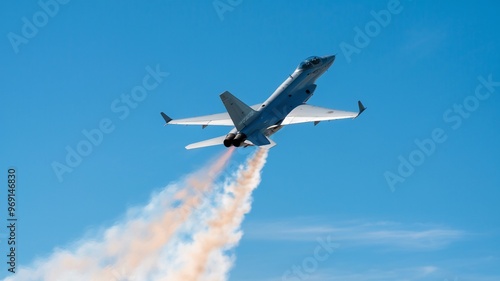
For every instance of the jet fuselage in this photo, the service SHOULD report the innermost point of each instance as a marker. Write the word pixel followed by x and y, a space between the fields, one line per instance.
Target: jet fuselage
pixel 294 91
pixel 252 125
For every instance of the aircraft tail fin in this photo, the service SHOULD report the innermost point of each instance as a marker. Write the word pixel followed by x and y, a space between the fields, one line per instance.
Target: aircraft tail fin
pixel 240 113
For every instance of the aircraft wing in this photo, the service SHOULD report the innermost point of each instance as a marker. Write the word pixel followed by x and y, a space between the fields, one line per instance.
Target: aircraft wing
pixel 219 119
pixel 310 113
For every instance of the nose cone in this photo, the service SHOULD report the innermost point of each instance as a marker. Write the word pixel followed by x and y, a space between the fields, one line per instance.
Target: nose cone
pixel 329 60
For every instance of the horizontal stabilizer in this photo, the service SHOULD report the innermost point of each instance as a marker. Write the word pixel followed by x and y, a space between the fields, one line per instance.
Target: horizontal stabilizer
pixel 268 144
pixel 259 139
pixel 205 143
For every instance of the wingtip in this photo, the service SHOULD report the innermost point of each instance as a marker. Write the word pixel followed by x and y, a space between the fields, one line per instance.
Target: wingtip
pixel 165 117
pixel 361 108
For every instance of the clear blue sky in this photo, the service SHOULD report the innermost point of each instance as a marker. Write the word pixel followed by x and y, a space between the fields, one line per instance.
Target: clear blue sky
pixel 413 71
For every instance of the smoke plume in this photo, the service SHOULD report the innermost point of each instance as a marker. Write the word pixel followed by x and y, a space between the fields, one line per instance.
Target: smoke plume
pixel 186 232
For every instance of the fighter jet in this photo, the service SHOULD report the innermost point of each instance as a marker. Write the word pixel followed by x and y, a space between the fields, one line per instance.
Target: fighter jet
pixel 253 125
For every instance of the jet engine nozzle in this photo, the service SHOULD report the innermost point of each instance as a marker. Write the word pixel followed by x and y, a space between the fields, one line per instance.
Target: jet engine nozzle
pixel 239 139
pixel 228 141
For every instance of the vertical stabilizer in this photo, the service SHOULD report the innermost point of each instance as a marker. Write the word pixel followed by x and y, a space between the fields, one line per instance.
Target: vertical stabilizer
pixel 240 113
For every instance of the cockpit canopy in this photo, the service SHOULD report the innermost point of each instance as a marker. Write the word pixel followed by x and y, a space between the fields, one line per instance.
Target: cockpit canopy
pixel 309 62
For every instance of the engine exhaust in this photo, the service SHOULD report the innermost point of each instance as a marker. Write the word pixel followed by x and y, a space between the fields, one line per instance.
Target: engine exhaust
pixel 228 141
pixel 239 139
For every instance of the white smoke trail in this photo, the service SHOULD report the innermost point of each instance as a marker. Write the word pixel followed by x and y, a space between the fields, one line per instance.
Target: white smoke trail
pixel 182 234
pixel 204 259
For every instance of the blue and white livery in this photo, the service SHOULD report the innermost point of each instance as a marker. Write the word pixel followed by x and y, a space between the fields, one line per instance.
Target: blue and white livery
pixel 253 125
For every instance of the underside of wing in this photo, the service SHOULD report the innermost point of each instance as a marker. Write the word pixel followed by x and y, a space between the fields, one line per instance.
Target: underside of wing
pixel 310 113
pixel 219 119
